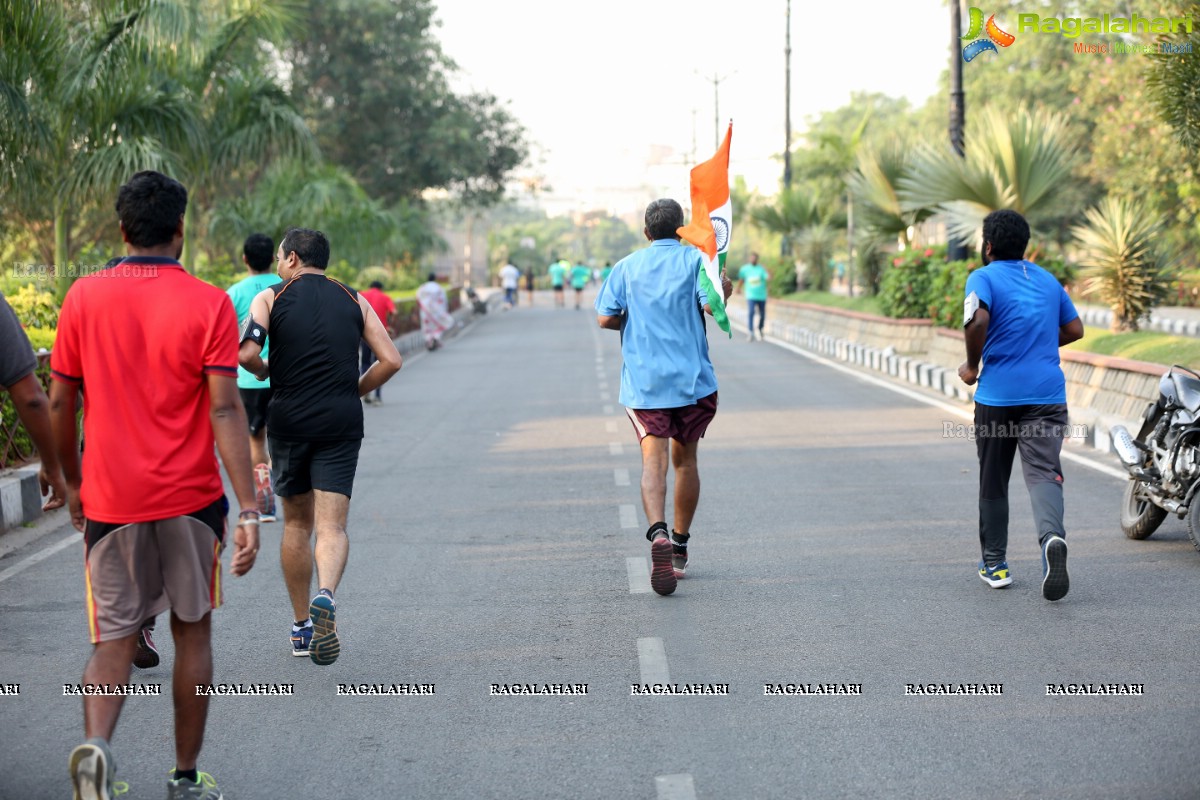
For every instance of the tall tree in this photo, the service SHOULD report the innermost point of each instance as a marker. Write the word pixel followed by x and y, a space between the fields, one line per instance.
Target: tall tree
pixel 374 82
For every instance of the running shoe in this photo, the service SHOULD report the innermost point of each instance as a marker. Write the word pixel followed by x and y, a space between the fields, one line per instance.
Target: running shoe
pixel 662 568
pixel 146 656
pixel 205 788
pixel 996 577
pixel 324 647
pixel 679 557
pixel 92 771
pixel 1055 581
pixel 263 493
pixel 301 637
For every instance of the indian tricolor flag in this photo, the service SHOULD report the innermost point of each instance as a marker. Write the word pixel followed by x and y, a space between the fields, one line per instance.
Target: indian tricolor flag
pixel 712 222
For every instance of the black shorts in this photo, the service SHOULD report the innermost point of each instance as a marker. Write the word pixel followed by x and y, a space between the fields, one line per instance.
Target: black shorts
pixel 558 288
pixel 299 467
pixel 256 402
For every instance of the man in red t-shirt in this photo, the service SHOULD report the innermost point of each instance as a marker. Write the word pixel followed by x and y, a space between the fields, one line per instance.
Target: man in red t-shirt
pixel 155 352
pixel 385 309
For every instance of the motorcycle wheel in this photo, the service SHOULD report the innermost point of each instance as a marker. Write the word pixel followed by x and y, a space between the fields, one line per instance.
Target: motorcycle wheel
pixel 1140 517
pixel 1194 522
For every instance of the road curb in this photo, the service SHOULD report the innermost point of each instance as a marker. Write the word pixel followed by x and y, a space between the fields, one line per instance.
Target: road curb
pixel 20 497
pixel 924 374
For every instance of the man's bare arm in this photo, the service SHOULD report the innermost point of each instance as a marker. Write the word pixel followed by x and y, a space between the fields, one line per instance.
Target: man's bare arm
pixel 387 357
pixel 1071 332
pixel 610 323
pixel 64 405
pixel 250 350
pixel 33 409
pixel 229 429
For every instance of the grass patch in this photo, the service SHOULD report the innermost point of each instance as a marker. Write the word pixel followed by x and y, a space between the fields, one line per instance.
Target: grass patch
pixel 1152 346
pixel 867 305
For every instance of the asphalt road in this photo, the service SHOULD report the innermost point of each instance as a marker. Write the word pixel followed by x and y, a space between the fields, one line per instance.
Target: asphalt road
pixel 497 537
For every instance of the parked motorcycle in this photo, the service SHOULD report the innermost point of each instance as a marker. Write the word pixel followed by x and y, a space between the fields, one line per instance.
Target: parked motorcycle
pixel 1163 460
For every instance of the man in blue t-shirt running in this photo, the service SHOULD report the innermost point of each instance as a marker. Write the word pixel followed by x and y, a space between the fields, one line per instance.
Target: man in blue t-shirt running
pixel 668 386
pixel 1016 315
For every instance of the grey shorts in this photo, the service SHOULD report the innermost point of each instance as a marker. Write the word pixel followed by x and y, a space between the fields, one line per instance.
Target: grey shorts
pixel 135 571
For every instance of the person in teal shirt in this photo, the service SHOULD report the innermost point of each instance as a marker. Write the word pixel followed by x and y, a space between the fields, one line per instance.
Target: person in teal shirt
pixel 604 273
pixel 258 253
pixel 580 275
pixel 558 271
pixel 753 283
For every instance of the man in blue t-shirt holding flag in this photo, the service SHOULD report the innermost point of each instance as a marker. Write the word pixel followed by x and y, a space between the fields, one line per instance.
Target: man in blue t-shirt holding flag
pixel 668 385
pixel 1016 315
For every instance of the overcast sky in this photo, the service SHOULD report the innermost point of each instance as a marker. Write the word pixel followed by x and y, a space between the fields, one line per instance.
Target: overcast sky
pixel 607 89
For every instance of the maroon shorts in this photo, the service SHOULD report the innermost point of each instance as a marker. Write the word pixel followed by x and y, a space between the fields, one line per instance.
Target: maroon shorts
pixel 685 425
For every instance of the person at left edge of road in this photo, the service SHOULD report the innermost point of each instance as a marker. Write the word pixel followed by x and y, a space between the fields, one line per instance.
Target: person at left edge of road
pixel 1015 316
pixel 18 375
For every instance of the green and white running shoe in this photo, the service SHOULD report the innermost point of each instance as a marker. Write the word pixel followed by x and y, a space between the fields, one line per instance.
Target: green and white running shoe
pixel 92 771
pixel 205 788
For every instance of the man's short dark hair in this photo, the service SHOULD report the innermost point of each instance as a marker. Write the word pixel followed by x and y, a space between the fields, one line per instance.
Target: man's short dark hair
pixel 1009 234
pixel 150 206
pixel 432 277
pixel 376 285
pixel 663 218
pixel 259 251
pixel 311 247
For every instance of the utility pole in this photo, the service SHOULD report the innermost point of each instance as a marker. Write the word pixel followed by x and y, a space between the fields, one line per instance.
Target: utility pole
pixel 956 250
pixel 717 80
pixel 787 100
pixel 785 245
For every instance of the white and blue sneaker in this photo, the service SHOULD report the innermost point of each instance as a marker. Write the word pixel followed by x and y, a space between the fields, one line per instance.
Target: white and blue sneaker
pixel 1055 581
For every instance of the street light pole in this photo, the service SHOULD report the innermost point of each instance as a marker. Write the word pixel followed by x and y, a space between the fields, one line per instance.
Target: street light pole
pixel 956 250
pixel 717 80
pixel 787 100
pixel 785 245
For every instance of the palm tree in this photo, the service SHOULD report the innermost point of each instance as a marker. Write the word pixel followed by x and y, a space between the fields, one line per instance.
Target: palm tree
pixel 1017 161
pixel 84 109
pixel 360 230
pixel 875 185
pixel 1125 263
pixel 803 215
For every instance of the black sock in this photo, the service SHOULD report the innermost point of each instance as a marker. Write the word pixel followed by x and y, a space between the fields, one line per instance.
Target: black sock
pixel 655 529
pixel 302 623
pixel 680 538
pixel 190 774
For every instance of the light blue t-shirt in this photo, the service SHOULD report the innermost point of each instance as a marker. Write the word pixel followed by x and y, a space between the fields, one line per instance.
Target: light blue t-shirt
pixel 242 294
pixel 663 346
pixel 1027 305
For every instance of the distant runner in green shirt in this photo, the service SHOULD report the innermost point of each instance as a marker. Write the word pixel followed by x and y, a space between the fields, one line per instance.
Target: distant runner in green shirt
pixel 258 253
pixel 752 279
pixel 580 275
pixel 605 272
pixel 558 271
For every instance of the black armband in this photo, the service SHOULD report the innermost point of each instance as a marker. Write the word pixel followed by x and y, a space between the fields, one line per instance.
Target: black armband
pixel 253 331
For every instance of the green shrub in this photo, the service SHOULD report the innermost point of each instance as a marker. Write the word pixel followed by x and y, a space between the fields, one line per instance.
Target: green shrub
pixel 947 288
pixel 783 277
pixel 42 338
pixel 904 290
pixel 35 308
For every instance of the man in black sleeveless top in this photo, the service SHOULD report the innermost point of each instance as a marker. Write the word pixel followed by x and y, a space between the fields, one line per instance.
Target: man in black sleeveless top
pixel 315 420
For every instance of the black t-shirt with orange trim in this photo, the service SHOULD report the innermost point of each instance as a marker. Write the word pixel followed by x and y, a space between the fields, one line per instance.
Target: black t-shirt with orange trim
pixel 315 329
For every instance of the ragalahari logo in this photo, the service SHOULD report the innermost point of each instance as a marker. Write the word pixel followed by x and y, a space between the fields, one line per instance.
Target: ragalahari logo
pixel 994 37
